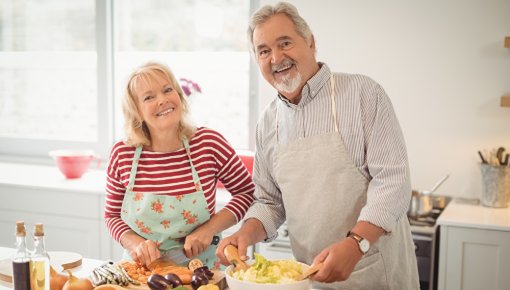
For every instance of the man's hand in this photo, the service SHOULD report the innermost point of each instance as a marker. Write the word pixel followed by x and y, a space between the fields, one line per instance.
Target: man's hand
pixel 339 261
pixel 250 233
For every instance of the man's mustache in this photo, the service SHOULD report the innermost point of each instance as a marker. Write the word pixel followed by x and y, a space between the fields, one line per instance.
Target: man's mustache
pixel 284 64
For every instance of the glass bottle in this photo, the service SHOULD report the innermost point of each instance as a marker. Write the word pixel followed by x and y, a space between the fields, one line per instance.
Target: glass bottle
pixel 21 260
pixel 39 262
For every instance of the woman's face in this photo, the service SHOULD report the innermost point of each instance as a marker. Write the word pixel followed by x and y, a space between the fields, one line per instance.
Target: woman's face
pixel 159 103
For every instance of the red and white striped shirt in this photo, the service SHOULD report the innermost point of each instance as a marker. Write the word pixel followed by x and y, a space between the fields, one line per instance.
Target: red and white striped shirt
pixel 170 174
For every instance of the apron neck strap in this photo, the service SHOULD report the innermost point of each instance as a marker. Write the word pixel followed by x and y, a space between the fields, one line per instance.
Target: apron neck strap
pixel 333 102
pixel 194 173
pixel 134 167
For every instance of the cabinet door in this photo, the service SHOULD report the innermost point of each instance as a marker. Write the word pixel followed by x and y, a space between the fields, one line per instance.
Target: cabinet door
pixel 61 233
pixel 473 259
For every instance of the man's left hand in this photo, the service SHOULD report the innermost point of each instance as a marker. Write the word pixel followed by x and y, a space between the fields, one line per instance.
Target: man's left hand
pixel 339 261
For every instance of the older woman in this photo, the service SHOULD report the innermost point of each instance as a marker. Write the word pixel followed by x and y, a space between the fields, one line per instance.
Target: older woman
pixel 161 181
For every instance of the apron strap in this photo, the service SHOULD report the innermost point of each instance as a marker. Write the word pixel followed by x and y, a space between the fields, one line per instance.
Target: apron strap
pixel 194 173
pixel 134 168
pixel 333 101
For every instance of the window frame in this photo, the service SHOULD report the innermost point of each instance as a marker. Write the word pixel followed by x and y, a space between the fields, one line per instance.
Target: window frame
pixel 36 150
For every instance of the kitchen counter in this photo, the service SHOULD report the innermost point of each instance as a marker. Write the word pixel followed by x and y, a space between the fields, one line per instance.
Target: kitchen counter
pixel 474 250
pixel 475 216
pixel 23 175
pixel 44 176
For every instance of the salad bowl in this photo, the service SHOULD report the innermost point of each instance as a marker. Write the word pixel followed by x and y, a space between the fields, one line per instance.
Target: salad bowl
pixel 236 284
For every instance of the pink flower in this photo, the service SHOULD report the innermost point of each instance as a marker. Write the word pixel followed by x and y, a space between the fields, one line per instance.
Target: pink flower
pixel 189 87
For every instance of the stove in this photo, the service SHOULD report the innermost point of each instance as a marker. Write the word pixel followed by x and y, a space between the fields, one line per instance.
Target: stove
pixel 426 244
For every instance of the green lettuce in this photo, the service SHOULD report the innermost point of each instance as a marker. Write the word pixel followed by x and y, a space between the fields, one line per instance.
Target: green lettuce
pixel 270 272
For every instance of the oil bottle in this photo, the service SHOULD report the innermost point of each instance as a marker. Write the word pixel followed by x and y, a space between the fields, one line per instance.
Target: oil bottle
pixel 21 260
pixel 39 262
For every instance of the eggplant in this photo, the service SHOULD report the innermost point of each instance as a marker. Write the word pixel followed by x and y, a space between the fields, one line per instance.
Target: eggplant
pixel 173 279
pixel 205 270
pixel 199 279
pixel 158 282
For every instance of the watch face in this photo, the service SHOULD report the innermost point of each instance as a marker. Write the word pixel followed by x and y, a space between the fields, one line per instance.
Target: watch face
pixel 364 245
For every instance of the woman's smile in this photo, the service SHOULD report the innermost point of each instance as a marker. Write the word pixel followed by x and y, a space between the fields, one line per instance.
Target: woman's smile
pixel 165 112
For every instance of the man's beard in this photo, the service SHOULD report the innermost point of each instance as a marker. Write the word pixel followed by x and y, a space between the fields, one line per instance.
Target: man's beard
pixel 288 84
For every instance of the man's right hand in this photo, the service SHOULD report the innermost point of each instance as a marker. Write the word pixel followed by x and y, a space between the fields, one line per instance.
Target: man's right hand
pixel 251 232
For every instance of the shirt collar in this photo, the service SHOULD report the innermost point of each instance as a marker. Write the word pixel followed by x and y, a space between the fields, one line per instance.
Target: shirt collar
pixel 311 88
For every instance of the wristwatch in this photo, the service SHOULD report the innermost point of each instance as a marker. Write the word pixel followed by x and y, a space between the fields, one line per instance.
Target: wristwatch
pixel 363 244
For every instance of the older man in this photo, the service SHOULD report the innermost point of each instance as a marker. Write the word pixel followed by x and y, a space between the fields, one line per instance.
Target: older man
pixel 331 161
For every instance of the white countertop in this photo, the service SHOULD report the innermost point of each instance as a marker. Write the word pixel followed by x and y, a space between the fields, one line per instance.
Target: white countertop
pixel 49 177
pixel 44 176
pixel 475 216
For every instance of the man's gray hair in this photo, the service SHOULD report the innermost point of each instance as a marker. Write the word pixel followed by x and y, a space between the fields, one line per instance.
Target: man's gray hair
pixel 266 12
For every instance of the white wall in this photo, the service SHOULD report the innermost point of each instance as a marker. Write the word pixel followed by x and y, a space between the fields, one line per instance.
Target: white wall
pixel 443 65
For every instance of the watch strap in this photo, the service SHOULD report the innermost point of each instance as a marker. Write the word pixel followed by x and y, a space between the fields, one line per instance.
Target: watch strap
pixel 359 239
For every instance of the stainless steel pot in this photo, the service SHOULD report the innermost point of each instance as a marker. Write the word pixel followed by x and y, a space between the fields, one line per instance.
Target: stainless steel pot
pixel 422 202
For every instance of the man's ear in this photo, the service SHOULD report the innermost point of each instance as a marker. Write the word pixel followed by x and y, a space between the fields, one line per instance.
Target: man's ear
pixel 312 43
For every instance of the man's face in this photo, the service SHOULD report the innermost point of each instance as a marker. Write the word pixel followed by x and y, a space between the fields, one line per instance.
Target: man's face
pixel 283 56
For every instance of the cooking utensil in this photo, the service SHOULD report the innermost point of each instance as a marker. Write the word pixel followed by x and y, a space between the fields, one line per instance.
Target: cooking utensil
pixel 500 156
pixel 422 202
pixel 481 157
pixel 312 270
pixel 232 255
pixel 175 257
pixel 436 186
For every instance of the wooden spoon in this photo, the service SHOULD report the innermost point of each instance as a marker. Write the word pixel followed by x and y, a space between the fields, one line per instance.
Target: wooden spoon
pixel 232 255
pixel 312 270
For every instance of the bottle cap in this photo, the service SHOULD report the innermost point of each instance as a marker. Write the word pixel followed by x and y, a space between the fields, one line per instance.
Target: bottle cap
pixel 39 231
pixel 20 229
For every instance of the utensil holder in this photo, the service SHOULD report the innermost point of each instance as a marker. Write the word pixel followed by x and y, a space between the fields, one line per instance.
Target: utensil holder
pixel 496 185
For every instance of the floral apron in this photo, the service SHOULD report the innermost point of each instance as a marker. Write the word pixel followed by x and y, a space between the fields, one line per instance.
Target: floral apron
pixel 323 193
pixel 167 219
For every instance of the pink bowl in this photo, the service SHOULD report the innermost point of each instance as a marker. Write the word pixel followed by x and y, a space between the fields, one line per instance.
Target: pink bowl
pixel 73 163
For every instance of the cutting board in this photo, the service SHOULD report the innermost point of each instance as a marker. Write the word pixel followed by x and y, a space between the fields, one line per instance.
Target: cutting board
pixel 59 261
pixel 218 279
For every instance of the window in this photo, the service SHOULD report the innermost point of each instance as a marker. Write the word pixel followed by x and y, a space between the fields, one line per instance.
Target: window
pixel 63 67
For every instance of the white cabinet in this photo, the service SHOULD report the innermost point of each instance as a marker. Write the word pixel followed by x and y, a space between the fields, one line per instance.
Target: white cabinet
pixel 474 251
pixel 71 210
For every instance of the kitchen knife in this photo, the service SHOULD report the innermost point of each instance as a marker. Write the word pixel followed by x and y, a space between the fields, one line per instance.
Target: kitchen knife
pixel 175 257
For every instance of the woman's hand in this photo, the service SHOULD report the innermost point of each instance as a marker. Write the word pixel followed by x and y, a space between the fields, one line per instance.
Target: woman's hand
pixel 141 250
pixel 339 261
pixel 197 242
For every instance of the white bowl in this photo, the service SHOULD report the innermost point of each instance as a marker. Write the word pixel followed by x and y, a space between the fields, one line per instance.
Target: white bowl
pixel 234 284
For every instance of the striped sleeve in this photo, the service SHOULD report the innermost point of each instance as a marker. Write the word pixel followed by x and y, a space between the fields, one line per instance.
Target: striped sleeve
pixel 389 189
pixel 235 177
pixel 267 207
pixel 115 191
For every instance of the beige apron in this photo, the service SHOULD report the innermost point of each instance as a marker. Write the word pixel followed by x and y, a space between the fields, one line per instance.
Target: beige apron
pixel 323 193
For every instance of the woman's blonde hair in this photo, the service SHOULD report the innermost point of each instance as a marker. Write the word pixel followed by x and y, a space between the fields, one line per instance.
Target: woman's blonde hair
pixel 137 131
